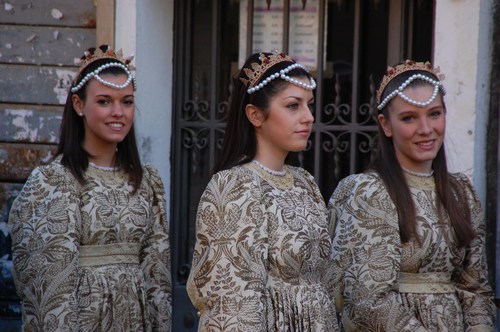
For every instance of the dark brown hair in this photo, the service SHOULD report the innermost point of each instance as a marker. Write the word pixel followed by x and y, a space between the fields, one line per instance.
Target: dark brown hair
pixel 451 196
pixel 71 134
pixel 240 142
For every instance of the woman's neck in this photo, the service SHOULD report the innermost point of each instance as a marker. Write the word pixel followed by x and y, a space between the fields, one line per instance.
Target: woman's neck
pixel 105 157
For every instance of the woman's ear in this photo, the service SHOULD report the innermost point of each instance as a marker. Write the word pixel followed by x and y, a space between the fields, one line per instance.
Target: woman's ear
pixel 77 104
pixel 254 115
pixel 386 126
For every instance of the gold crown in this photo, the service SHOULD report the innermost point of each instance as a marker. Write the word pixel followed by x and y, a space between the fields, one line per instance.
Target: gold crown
pixel 266 62
pixel 109 53
pixel 407 65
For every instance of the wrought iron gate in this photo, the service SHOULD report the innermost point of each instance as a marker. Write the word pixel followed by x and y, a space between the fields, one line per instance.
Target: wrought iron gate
pixel 354 41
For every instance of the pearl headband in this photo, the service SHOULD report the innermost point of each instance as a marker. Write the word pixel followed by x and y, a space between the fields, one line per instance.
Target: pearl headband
pixel 399 92
pixel 283 75
pixel 96 72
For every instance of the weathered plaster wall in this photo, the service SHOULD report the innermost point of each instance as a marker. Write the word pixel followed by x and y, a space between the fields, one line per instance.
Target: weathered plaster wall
pixel 462 49
pixel 145 28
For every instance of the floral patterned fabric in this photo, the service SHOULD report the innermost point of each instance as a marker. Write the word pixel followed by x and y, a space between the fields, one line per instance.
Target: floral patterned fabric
pixel 262 253
pixel 54 216
pixel 370 261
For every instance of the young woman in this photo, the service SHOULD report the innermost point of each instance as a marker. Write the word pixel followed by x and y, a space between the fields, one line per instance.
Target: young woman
pixel 408 247
pixel 90 236
pixel 263 239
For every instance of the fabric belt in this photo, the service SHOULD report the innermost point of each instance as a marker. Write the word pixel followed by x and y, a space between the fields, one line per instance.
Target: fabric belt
pixel 115 253
pixel 426 283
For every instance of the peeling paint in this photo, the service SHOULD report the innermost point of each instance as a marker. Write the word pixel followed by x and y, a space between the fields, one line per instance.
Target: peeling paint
pixel 21 121
pixel 8 7
pixel 8 46
pixel 56 34
pixel 146 147
pixel 30 155
pixel 56 13
pixel 31 38
pixel 64 79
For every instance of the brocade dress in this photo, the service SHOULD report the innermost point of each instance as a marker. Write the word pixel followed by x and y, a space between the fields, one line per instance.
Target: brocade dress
pixel 384 285
pixel 92 257
pixel 262 253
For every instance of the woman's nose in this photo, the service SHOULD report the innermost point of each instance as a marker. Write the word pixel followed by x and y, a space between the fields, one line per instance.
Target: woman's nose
pixel 307 114
pixel 424 127
pixel 117 109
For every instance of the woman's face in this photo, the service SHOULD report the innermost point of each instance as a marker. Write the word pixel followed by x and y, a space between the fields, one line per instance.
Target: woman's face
pixel 289 121
pixel 417 132
pixel 108 113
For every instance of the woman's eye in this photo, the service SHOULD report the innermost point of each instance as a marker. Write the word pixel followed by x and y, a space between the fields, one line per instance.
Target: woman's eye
pixel 435 114
pixel 129 102
pixel 102 102
pixel 293 106
pixel 407 118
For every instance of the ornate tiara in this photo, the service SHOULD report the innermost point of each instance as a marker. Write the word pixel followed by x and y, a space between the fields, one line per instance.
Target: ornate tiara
pixel 267 62
pixel 407 65
pixel 98 54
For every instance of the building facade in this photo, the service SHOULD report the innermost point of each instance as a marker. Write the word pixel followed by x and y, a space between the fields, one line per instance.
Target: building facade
pixel 185 54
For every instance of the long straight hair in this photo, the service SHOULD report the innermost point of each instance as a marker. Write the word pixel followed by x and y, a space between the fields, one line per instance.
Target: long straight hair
pixel 72 132
pixel 451 195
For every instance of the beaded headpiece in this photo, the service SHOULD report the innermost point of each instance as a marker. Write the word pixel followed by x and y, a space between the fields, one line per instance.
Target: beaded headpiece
pixel 90 57
pixel 409 65
pixel 258 70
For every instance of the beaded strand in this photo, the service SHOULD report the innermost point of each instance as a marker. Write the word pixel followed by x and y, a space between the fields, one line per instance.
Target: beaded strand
pixel 268 170
pixel 399 91
pixel 96 72
pixel 283 74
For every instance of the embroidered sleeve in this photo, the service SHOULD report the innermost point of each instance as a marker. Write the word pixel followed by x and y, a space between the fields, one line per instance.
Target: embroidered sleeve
pixel 474 292
pixel 366 257
pixel 227 279
pixel 155 257
pixel 44 220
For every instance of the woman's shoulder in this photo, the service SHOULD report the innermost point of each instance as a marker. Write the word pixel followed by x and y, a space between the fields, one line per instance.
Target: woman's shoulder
pixel 150 171
pixel 53 177
pixel 466 184
pixel 361 184
pixel 153 178
pixel 51 170
pixel 238 173
pixel 366 179
pixel 462 178
pixel 232 182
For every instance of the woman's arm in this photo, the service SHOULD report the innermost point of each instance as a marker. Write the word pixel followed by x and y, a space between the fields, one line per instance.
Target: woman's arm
pixel 227 283
pixel 155 257
pixel 366 257
pixel 44 223
pixel 474 291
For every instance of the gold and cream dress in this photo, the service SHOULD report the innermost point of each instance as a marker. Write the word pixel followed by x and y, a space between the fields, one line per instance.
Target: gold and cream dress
pixel 262 250
pixel 91 257
pixel 386 286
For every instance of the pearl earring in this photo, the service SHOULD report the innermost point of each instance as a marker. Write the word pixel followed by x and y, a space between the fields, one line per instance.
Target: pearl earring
pixel 80 114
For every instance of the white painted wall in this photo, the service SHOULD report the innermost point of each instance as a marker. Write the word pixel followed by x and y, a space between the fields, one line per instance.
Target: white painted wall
pixel 145 28
pixel 463 51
